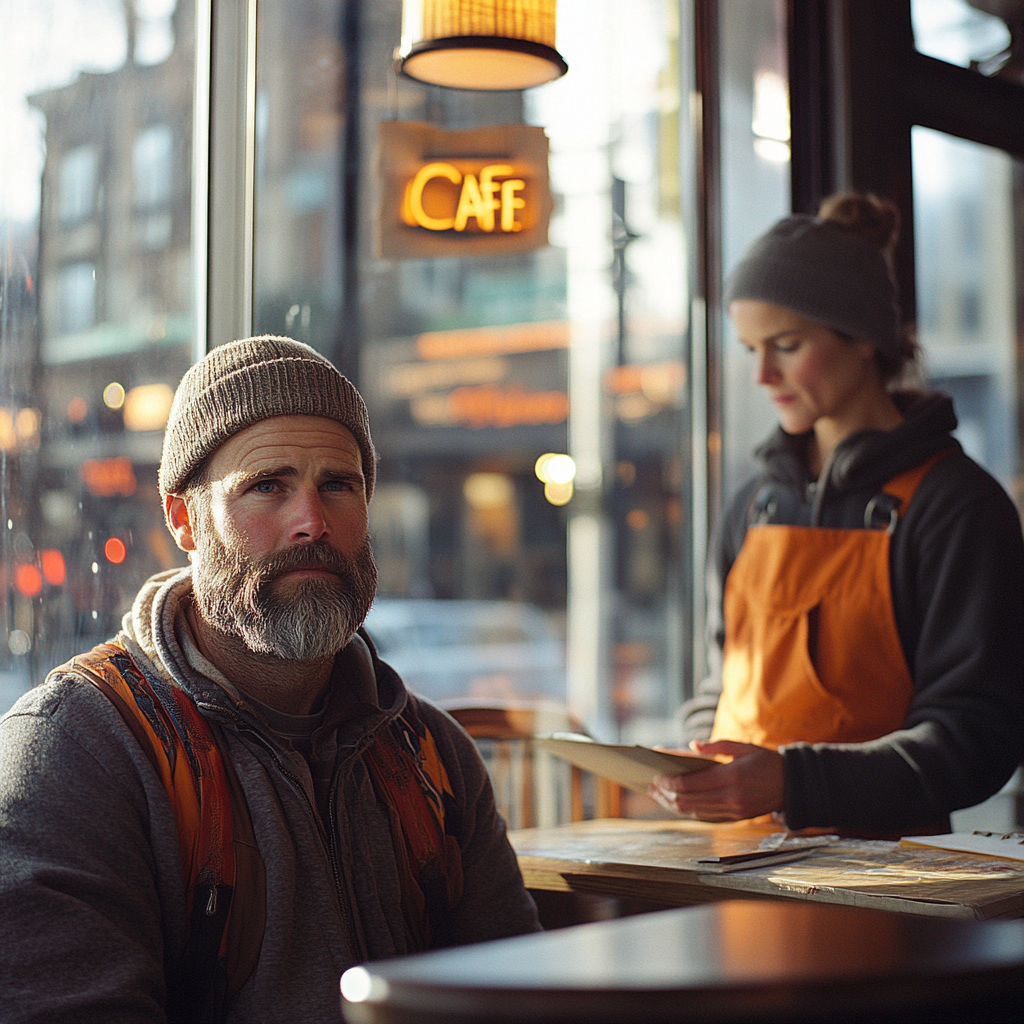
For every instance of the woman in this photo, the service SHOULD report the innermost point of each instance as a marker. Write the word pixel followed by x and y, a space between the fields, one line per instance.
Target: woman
pixel 869 637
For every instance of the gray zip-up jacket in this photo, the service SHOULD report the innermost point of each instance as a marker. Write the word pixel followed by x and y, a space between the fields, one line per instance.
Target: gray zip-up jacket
pixel 92 896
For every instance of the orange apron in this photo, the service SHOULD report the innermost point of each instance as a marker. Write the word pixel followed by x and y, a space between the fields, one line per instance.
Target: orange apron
pixel 812 652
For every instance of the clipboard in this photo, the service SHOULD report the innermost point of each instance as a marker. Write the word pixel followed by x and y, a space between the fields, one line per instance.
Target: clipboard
pixel 633 767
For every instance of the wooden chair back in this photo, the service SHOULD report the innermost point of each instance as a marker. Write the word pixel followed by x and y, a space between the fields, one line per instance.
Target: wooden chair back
pixel 531 787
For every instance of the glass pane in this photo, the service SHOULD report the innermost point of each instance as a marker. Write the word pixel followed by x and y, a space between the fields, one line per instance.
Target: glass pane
pixel 97 311
pixel 299 124
pixel 958 32
pixel 969 242
pixel 493 583
pixel 755 193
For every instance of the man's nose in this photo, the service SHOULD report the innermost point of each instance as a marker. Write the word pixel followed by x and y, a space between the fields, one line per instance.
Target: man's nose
pixel 306 518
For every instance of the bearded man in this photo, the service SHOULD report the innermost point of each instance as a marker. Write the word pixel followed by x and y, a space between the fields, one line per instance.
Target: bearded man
pixel 215 814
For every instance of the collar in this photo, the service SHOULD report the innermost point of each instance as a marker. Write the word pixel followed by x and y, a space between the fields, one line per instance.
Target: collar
pixel 158 624
pixel 868 459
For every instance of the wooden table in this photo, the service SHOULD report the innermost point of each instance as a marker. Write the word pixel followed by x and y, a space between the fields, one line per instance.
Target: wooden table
pixel 656 860
pixel 718 964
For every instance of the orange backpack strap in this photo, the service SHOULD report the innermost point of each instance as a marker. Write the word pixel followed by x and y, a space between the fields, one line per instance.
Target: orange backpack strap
pixel 218 848
pixel 410 780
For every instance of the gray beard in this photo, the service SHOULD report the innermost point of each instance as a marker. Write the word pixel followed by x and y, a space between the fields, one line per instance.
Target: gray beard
pixel 310 621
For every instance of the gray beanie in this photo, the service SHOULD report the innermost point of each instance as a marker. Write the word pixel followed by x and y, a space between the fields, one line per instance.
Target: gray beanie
pixel 826 272
pixel 244 382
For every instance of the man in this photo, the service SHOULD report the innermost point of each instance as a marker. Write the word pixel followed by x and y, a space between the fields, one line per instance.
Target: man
pixel 361 820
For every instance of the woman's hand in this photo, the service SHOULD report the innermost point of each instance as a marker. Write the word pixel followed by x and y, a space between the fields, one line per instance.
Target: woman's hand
pixel 749 785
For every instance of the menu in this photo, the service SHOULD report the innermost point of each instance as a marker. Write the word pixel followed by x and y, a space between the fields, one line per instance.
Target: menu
pixel 631 766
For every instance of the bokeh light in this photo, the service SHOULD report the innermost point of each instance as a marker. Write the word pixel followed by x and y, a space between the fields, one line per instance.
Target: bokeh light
pixel 115 550
pixel 113 396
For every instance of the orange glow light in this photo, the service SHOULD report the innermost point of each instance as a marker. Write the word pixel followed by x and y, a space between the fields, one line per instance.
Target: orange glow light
pixel 28 579
pixel 638 519
pixel 107 477
pixel 491 406
pixel 115 550
pixel 54 570
pixel 78 409
pixel 467 342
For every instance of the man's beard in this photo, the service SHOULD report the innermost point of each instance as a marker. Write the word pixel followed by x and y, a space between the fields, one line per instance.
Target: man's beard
pixel 310 619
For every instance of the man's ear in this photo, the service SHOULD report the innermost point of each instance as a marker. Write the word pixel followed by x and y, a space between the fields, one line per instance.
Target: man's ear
pixel 178 522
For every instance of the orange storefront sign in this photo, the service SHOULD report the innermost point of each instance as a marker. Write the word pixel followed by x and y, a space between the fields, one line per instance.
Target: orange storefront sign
pixel 460 193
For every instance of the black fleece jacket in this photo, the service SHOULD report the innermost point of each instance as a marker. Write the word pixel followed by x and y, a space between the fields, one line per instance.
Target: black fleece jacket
pixel 957 576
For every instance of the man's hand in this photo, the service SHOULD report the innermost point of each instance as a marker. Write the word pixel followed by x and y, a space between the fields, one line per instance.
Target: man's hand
pixel 749 785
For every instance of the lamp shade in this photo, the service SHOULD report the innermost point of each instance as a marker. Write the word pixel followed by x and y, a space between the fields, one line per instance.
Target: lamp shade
pixel 480 44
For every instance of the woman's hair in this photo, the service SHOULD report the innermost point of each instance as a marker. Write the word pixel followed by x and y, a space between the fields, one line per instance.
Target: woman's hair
pixel 875 219
pixel 878 222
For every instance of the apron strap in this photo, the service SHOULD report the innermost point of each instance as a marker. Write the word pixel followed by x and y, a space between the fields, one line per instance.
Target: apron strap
pixel 894 498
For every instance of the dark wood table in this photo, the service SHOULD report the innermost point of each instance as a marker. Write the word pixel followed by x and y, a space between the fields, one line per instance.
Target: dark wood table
pixel 657 860
pixel 721 963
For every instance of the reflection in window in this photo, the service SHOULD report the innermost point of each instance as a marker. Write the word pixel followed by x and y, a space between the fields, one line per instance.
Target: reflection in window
pixel 151 166
pixel 958 32
pixel 78 180
pixel 78 297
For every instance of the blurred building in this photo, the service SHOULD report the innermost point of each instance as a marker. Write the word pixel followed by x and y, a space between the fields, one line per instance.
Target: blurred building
pixel 113 337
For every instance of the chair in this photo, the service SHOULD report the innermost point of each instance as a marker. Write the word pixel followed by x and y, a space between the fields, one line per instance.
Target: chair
pixel 531 787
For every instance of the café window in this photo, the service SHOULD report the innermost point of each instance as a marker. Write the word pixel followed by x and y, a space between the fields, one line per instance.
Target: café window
pixel 967 233
pixel 505 275
pixel 98 314
pixel 755 141
pixel 506 280
pixel 962 33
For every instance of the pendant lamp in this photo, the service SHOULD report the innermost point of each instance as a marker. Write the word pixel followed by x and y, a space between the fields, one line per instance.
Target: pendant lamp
pixel 480 44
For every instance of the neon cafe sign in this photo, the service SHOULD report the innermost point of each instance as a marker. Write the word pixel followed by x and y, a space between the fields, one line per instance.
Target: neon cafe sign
pixel 440 197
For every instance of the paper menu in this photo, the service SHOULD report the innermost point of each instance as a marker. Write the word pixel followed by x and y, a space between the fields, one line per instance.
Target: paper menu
pixel 1009 845
pixel 632 767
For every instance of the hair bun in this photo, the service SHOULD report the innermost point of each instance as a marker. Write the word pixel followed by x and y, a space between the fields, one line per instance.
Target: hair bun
pixel 876 220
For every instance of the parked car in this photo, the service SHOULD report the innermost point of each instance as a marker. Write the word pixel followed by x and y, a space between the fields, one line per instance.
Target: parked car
pixel 445 649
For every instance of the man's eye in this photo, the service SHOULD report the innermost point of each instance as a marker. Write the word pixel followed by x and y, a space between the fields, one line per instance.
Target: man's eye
pixel 788 346
pixel 338 485
pixel 265 487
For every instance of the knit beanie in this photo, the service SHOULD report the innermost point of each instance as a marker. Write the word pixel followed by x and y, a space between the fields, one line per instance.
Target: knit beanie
pixel 826 272
pixel 245 382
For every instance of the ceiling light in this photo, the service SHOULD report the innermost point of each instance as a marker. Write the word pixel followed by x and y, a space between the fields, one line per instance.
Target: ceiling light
pixel 480 44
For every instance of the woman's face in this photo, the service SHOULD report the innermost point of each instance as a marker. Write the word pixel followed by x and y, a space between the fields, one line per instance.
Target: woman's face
pixel 809 372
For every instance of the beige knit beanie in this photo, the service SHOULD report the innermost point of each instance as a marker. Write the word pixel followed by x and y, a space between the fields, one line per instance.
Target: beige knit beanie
pixel 247 381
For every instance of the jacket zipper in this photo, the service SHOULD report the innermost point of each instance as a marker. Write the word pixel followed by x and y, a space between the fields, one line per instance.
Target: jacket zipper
pixel 329 841
pixel 332 838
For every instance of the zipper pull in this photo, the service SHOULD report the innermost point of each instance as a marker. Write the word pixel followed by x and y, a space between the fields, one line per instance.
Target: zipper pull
pixel 211 903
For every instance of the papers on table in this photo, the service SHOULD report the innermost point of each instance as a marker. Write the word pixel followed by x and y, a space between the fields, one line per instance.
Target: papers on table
pixel 1009 845
pixel 632 767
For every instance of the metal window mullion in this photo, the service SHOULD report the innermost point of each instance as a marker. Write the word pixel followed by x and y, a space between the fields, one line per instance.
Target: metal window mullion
pixel 201 180
pixel 700 159
pixel 230 147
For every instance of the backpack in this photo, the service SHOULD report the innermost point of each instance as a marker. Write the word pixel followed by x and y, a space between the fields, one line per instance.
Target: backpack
pixel 224 873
